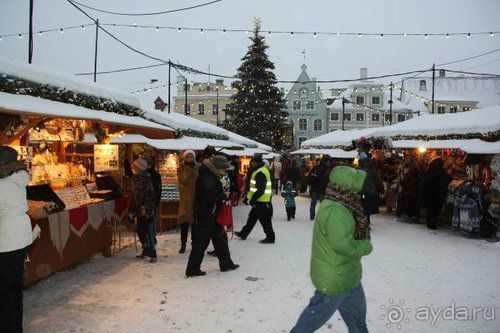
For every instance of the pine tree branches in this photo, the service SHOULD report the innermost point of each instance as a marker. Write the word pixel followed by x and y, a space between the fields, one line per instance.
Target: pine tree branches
pixel 257 110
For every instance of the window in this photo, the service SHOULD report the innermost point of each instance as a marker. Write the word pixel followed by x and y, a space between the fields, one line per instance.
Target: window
pixel 318 124
pixel 388 118
pixel 360 117
pixel 466 108
pixel 296 105
pixel 201 108
pixel 453 109
pixel 375 100
pixel 334 116
pixel 215 109
pixel 303 92
pixel 301 140
pixel 186 110
pixel 302 124
pixel 401 117
pixel 375 117
pixel 360 100
pixel 423 85
pixel 310 105
pixel 441 109
pixel 347 117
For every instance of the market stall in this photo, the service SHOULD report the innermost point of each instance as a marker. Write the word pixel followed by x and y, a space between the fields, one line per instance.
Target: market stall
pixel 167 155
pixel 75 193
pixel 469 145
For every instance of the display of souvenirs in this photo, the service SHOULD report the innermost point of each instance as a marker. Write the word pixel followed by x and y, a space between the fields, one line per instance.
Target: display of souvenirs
pixel 494 208
pixel 58 130
pixel 106 158
pixel 73 196
pixel 167 167
pixel 47 169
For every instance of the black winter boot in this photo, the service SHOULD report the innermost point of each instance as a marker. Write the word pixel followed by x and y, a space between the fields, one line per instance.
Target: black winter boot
pixel 183 248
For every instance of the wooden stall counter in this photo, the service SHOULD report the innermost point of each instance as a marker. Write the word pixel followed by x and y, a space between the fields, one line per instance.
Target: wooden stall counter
pixel 70 236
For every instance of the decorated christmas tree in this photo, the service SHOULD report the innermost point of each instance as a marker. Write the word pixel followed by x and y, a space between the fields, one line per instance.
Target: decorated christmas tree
pixel 257 110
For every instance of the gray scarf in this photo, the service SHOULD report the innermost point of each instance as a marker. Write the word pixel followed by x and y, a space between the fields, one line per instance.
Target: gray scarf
pixel 352 201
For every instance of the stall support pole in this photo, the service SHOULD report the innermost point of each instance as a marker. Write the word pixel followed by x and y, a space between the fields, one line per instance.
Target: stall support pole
pixel 185 97
pixel 95 50
pixel 217 106
pixel 343 111
pixel 30 39
pixel 390 106
pixel 169 84
pixel 433 81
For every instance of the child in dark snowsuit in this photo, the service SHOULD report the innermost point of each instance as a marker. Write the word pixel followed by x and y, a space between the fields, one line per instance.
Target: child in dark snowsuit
pixel 289 195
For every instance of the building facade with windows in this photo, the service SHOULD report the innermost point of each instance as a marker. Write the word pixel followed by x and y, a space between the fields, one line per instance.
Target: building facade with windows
pixel 366 104
pixel 205 101
pixel 452 94
pixel 306 108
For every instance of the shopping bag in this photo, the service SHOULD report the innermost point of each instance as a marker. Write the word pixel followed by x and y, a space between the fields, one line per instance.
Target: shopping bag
pixel 225 217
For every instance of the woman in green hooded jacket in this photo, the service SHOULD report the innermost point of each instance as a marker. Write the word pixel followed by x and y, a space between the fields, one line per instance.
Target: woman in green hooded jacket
pixel 340 238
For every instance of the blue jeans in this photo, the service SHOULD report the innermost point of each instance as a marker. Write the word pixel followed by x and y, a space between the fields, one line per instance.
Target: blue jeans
pixel 315 197
pixel 351 304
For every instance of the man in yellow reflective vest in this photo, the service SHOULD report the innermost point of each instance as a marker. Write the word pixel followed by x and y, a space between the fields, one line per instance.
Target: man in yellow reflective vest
pixel 259 197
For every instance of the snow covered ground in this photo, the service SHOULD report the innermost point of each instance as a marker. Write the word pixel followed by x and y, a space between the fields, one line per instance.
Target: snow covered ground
pixel 410 264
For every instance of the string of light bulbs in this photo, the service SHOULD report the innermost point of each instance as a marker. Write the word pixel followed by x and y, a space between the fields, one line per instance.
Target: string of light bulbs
pixel 291 33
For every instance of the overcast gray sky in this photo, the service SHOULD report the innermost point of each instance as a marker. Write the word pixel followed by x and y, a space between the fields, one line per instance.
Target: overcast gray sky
pixel 328 57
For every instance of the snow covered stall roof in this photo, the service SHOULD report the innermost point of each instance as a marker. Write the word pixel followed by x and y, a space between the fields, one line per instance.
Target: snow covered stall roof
pixel 333 153
pixel 481 121
pixel 46 92
pixel 181 143
pixel 472 146
pixel 28 105
pixel 185 123
pixel 337 138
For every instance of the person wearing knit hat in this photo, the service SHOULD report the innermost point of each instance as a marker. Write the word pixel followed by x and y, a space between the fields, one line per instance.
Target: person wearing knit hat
pixel 187 174
pixel 15 236
pixel 209 197
pixel 143 207
pixel 140 165
pixel 189 152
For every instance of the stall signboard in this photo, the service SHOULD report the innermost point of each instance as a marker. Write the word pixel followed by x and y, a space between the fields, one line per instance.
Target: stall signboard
pixel 106 158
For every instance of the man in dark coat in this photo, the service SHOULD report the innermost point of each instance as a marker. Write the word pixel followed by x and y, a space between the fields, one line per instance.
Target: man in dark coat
pixel 373 186
pixel 155 178
pixel 315 182
pixel 209 195
pixel 435 190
